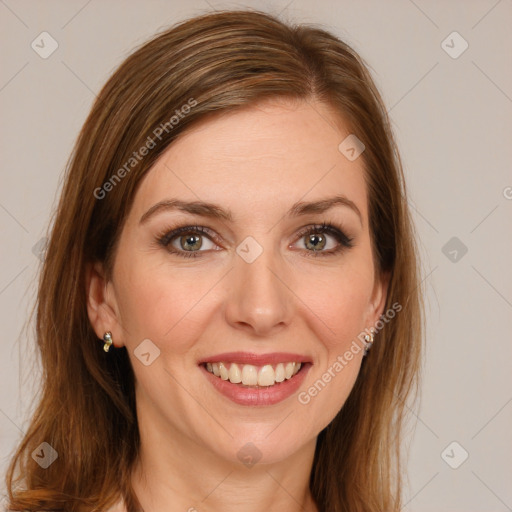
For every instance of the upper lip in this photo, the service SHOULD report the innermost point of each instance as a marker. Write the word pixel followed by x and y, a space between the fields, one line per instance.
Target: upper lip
pixel 256 359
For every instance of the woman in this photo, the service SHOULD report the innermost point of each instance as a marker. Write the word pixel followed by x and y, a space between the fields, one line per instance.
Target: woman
pixel 232 238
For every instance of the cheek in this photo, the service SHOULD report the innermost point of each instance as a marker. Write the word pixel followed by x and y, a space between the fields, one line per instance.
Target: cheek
pixel 339 302
pixel 342 304
pixel 162 304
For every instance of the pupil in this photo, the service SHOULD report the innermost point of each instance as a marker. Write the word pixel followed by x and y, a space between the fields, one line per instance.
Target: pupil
pixel 193 240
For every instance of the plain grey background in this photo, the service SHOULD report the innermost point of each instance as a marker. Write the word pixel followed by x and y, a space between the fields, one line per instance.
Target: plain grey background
pixel 451 110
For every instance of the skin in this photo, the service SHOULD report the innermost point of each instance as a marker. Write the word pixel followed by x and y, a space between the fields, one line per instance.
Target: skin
pixel 256 162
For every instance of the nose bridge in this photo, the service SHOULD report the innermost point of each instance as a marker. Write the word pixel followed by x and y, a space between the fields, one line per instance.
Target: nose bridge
pixel 257 295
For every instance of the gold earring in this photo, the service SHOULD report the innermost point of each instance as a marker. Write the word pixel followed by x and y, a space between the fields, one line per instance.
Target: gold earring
pixel 107 338
pixel 368 338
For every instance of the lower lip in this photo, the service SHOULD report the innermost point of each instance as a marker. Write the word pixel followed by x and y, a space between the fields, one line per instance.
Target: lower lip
pixel 258 396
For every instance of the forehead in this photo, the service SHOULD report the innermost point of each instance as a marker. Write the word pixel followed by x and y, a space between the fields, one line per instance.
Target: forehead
pixel 269 155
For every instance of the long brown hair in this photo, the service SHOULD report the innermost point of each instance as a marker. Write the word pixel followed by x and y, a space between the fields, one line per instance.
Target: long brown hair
pixel 214 63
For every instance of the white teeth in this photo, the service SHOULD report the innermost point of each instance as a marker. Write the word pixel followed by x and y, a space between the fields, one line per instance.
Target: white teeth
pixel 223 371
pixel 266 376
pixel 235 375
pixel 280 372
pixel 250 375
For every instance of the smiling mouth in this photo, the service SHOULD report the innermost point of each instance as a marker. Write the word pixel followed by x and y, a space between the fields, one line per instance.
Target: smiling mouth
pixel 254 376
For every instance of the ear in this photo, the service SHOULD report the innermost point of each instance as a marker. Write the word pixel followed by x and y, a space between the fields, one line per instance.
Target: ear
pixel 101 304
pixel 378 300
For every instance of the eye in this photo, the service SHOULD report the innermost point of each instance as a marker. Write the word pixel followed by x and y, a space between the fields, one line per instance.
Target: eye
pixel 324 240
pixel 187 241
pixel 190 241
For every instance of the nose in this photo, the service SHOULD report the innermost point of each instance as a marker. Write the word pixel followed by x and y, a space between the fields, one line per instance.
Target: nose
pixel 258 298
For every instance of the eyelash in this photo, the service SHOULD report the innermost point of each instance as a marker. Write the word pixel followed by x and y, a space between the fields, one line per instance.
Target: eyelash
pixel 344 241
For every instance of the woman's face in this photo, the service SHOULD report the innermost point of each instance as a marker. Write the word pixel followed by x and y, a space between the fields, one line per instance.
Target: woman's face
pixel 254 278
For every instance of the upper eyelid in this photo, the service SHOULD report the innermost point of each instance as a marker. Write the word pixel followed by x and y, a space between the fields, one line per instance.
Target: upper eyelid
pixel 169 234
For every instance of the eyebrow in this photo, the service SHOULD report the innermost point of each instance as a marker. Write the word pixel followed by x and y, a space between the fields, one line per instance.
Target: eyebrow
pixel 214 211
